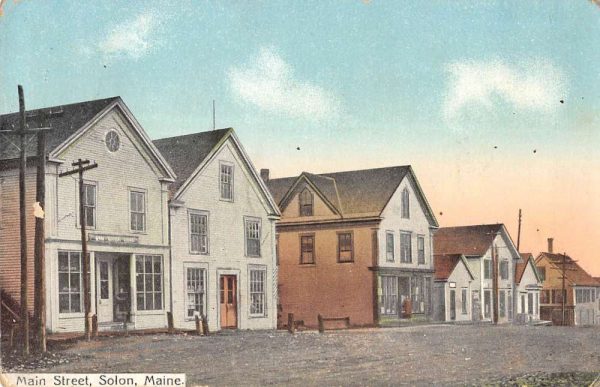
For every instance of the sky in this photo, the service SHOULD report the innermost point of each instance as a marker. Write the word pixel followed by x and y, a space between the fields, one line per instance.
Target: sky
pixel 495 104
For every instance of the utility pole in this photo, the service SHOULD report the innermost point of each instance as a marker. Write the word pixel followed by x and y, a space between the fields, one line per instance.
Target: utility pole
pixel 519 232
pixel 495 281
pixel 562 291
pixel 214 116
pixel 81 166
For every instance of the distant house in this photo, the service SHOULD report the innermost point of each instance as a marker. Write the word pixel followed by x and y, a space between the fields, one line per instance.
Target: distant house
pixel 452 288
pixel 354 244
pixel 574 301
pixel 125 215
pixel 477 244
pixel 528 284
pixel 222 234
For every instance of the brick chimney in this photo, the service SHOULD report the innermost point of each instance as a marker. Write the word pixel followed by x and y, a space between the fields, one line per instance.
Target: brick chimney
pixel 264 174
pixel 551 245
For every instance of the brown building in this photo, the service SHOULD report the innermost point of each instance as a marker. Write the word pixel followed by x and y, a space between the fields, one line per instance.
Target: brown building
pixel 354 244
pixel 579 293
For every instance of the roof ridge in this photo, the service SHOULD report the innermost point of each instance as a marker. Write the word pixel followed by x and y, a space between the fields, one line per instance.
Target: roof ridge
pixel 365 169
pixel 64 105
pixel 192 134
pixel 474 225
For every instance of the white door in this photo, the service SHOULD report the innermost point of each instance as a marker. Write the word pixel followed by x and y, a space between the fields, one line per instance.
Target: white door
pixel 105 291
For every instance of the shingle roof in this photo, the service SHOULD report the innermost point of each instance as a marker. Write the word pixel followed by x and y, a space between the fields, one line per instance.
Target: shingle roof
pixel 573 272
pixel 521 266
pixel 185 153
pixel 466 240
pixel 444 265
pixel 73 117
pixel 364 191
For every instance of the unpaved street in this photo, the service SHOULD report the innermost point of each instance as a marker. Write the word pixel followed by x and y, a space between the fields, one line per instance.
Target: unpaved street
pixel 420 355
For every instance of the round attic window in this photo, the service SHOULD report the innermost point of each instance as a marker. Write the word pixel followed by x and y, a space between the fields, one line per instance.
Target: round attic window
pixel 112 140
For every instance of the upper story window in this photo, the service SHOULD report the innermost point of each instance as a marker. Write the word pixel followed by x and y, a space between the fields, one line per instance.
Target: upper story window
pixel 198 233
pixel 405 203
pixel 421 250
pixel 504 269
pixel 226 181
pixel 542 272
pixel 389 246
pixel 345 247
pixel 307 249
pixel 89 205
pixel 252 237
pixel 306 203
pixel 112 141
pixel 487 269
pixel 137 210
pixel 405 247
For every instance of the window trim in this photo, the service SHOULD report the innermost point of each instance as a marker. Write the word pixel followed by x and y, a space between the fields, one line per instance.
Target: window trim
pixel 232 165
pixel 259 221
pixel 189 223
pixel 389 233
pixel 351 233
pixel 143 191
pixel 301 205
pixel 314 255
pixel 58 271
pixel 422 238
pixel 195 265
pixel 263 269
pixel 410 257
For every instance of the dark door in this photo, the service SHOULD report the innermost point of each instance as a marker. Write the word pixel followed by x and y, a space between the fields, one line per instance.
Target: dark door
pixel 452 304
pixel 122 289
pixel 228 290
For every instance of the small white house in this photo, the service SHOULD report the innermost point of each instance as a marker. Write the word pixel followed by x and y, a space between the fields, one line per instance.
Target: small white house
pixel 452 292
pixel 528 285
pixel 222 235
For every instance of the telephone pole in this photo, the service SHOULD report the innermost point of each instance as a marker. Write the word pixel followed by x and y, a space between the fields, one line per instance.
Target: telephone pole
pixel 495 281
pixel 519 233
pixel 82 166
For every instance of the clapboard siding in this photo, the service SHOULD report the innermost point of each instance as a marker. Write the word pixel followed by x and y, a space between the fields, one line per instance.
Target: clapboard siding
pixel 10 242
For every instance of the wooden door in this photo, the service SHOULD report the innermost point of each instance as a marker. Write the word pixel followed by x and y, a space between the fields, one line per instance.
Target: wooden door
pixel 228 291
pixel 105 290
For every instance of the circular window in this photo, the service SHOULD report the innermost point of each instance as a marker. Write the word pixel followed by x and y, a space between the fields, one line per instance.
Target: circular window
pixel 113 142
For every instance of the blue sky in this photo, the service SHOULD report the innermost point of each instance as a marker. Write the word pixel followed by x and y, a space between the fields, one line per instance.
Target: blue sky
pixel 463 91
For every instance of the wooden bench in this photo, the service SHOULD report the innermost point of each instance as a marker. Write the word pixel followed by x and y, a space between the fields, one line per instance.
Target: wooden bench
pixel 323 320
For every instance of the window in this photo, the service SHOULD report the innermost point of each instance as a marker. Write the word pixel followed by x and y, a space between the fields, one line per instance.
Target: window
pixel 69 282
pixel 504 269
pixel 89 205
pixel 542 272
pixel 530 303
pixel 104 280
pixel 226 180
pixel 389 246
pixel 112 141
pixel 523 301
pixel 253 237
pixel 557 296
pixel 585 295
pixel 501 303
pixel 345 253
pixel 306 203
pixel 405 247
pixel 148 270
pixel 307 249
pixel 194 286
pixel 510 305
pixel 545 297
pixel 137 208
pixel 389 295
pixel 417 294
pixel 487 269
pixel 487 303
pixel 257 292
pixel 452 304
pixel 421 250
pixel 405 204
pixel 464 300
pixel 198 233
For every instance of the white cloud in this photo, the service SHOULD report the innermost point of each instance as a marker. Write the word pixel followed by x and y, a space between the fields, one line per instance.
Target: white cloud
pixel 534 86
pixel 131 38
pixel 270 83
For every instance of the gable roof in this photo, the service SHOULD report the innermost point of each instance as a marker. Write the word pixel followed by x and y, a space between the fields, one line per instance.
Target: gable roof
pixel 527 259
pixel 353 193
pixel 444 265
pixel 185 153
pixel 188 154
pixel 468 240
pixel 574 273
pixel 64 125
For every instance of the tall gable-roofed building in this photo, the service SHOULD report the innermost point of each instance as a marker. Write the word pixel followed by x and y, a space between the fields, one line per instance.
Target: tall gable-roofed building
pixel 354 244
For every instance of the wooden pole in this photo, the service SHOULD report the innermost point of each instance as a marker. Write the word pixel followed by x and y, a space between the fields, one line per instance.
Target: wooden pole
pixel 495 281
pixel 84 254
pixel 23 230
pixel 519 232
pixel 291 325
pixel 562 291
pixel 39 247
pixel 170 327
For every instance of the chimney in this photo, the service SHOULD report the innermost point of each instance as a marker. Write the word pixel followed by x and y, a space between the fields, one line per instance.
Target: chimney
pixel 264 174
pixel 550 245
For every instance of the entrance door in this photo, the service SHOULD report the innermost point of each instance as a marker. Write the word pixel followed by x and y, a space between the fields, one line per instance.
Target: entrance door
pixel 452 304
pixel 476 306
pixel 105 290
pixel 122 304
pixel 228 288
